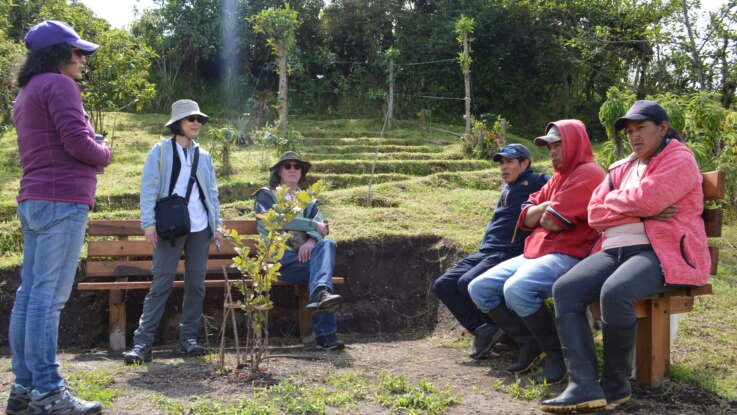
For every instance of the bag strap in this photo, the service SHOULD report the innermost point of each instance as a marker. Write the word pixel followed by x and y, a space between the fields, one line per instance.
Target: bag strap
pixel 176 165
pixel 193 173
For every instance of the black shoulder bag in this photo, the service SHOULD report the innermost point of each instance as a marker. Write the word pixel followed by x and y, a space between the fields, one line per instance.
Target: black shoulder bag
pixel 172 215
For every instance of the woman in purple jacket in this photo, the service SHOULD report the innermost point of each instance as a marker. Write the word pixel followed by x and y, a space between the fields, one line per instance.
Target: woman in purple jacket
pixel 60 160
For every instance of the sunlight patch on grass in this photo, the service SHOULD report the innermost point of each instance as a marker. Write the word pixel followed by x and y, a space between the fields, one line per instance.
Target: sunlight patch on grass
pixel 95 385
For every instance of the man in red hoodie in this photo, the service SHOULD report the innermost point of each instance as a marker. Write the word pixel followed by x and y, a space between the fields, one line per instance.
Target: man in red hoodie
pixel 512 293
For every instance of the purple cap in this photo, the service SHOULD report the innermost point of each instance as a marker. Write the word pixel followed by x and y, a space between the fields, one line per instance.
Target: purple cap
pixel 53 32
pixel 643 110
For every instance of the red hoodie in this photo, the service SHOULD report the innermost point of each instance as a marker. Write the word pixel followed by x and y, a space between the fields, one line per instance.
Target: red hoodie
pixel 569 191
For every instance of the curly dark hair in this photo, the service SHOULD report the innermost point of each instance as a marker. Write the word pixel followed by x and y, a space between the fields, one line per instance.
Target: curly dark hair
pixel 44 60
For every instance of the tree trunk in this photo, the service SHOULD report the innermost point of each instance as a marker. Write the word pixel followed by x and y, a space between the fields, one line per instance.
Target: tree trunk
pixel 728 84
pixel 390 100
pixel 283 103
pixel 692 45
pixel 467 82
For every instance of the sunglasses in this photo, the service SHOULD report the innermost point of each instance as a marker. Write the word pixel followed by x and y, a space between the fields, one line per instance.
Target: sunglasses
pixel 290 166
pixel 197 118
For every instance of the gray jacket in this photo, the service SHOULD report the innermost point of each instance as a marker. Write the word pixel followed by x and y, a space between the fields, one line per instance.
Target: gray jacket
pixel 157 175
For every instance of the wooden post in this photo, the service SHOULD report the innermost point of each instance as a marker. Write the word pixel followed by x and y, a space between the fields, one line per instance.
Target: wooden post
pixel 116 320
pixel 653 342
pixel 304 316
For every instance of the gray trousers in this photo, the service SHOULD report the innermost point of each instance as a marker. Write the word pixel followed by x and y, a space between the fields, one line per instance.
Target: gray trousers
pixel 195 247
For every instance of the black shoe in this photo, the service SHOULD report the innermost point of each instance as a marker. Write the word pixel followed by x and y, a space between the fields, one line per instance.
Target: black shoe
pixel 485 337
pixel 529 351
pixel 542 327
pixel 191 348
pixel 138 354
pixel 18 400
pixel 324 300
pixel 329 342
pixel 61 402
pixel 583 392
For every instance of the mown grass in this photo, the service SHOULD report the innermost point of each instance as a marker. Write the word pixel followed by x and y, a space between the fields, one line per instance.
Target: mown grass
pixel 341 392
pixel 95 385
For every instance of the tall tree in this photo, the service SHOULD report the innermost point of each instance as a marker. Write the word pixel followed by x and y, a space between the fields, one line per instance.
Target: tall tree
pixel 464 30
pixel 279 25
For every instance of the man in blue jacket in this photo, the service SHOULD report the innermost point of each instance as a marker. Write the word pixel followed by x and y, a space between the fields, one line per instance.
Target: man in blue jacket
pixel 501 241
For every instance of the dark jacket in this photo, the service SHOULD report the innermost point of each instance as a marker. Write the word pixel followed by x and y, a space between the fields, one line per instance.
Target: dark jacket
pixel 500 232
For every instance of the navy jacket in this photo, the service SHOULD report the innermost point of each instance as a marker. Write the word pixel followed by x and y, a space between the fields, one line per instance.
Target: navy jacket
pixel 501 228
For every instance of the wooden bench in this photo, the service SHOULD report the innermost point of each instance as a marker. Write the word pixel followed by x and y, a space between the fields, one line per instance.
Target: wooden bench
pixel 652 349
pixel 116 263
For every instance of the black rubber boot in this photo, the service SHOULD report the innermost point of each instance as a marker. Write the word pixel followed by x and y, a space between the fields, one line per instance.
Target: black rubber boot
pixel 583 392
pixel 542 327
pixel 485 337
pixel 529 351
pixel 618 345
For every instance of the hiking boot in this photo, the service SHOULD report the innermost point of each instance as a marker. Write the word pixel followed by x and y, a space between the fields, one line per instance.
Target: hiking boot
pixel 18 400
pixel 324 300
pixel 191 348
pixel 485 337
pixel 138 354
pixel 329 342
pixel 61 402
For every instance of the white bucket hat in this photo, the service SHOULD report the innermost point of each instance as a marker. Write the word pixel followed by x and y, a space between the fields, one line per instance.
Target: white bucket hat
pixel 184 108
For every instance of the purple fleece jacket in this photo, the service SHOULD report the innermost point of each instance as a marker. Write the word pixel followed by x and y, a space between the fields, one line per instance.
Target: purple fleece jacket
pixel 56 142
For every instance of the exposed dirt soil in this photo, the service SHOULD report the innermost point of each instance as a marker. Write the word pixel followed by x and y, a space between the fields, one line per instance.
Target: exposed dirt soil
pixel 390 321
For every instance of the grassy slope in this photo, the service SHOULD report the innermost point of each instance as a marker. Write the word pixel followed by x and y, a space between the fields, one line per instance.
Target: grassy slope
pixel 423 187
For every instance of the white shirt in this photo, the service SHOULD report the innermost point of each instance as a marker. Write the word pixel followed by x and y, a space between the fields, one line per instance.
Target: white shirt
pixel 197 212
pixel 631 233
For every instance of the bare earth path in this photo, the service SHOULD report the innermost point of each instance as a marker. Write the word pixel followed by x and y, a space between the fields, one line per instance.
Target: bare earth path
pixel 476 384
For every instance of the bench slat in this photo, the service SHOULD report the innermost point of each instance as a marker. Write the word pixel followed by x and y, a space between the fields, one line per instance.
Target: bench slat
pixel 141 248
pixel 142 285
pixel 118 269
pixel 713 222
pixel 133 227
pixel 713 185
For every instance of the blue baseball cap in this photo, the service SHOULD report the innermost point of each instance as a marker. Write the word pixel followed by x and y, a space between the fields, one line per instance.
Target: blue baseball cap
pixel 643 110
pixel 53 32
pixel 512 151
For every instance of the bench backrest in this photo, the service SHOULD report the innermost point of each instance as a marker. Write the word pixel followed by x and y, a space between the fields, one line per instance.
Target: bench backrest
pixel 714 188
pixel 112 253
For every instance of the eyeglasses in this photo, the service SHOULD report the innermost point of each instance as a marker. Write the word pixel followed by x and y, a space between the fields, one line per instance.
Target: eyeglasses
pixel 197 118
pixel 290 166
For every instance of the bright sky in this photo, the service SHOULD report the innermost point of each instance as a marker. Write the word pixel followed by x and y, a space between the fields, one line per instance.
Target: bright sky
pixel 120 12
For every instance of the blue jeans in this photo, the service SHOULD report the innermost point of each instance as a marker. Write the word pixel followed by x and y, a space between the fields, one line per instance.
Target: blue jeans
pixel 452 287
pixel 53 233
pixel 317 272
pixel 523 283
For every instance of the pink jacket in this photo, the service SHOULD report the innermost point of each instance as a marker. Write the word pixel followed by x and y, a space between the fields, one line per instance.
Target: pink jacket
pixel 672 177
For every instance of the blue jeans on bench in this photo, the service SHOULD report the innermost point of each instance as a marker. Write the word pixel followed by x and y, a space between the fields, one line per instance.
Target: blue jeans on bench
pixel 53 233
pixel 317 272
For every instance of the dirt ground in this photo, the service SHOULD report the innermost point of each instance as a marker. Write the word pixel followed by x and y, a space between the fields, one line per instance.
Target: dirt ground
pixel 430 357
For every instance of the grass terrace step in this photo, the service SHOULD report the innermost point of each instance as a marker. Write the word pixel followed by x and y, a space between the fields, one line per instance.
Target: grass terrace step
pixel 411 167
pixel 384 156
pixel 331 149
pixel 372 141
pixel 345 180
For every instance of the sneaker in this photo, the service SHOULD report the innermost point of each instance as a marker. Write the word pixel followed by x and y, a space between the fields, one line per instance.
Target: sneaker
pixel 18 400
pixel 138 354
pixel 329 342
pixel 191 348
pixel 61 402
pixel 324 300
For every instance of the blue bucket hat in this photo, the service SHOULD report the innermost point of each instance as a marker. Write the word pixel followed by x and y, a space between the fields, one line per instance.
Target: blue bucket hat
pixel 53 32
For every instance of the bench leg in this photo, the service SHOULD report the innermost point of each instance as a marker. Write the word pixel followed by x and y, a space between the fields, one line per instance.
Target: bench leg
pixel 304 316
pixel 653 343
pixel 116 321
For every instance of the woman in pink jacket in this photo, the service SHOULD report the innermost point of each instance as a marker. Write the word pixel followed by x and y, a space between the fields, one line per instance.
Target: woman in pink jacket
pixel 648 211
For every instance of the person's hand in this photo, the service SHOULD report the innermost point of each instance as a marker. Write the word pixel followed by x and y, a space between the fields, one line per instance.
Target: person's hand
pixel 218 238
pixel 151 237
pixel 666 214
pixel 305 251
pixel 323 228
